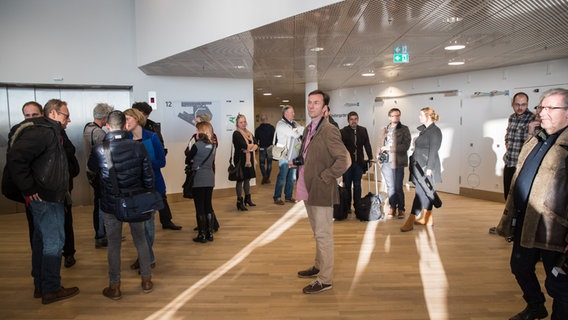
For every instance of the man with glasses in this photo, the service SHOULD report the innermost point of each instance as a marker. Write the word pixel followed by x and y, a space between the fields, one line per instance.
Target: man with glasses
pixel 516 135
pixel 38 165
pixel 537 199
pixel 73 166
pixel 396 142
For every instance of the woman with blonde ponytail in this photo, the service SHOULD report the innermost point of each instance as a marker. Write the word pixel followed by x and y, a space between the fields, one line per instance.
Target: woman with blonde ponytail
pixel 426 148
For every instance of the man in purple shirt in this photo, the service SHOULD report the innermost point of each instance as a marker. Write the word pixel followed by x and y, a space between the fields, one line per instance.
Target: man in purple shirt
pixel 324 158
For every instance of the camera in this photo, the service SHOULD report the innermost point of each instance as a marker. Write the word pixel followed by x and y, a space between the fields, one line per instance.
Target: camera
pixel 383 157
pixel 298 161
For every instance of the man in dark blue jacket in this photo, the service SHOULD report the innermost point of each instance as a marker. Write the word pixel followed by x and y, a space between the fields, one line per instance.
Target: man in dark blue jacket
pixel 38 167
pixel 133 169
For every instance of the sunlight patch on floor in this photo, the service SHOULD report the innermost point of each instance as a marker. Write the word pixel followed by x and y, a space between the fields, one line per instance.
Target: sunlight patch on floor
pixel 276 230
pixel 433 275
pixel 365 252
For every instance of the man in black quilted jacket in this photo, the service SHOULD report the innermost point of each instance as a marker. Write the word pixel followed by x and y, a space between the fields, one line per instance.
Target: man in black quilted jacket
pixel 133 168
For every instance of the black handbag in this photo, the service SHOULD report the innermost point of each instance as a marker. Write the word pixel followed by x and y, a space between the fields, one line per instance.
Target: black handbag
pixel 235 171
pixel 190 176
pixel 135 206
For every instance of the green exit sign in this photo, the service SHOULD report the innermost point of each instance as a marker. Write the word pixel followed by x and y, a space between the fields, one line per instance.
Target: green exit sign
pixel 400 58
pixel 400 54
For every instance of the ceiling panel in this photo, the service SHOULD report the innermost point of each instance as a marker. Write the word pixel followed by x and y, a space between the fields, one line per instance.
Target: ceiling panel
pixel 356 36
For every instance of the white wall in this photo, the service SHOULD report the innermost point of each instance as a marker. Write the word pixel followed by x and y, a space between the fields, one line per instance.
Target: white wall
pixel 473 126
pixel 93 43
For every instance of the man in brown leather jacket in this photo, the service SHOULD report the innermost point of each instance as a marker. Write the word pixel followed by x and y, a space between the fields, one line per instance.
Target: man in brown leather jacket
pixel 537 199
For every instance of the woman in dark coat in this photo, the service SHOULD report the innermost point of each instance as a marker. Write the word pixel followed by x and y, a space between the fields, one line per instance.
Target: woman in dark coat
pixel 426 148
pixel 245 146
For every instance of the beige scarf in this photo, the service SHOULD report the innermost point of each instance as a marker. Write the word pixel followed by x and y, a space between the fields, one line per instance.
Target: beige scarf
pixel 247 135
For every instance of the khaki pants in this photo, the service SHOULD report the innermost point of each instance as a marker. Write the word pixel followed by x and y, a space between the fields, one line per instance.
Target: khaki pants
pixel 321 220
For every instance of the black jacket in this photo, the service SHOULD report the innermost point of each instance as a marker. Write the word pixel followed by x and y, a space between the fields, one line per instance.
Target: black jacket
pixel 36 159
pixel 356 152
pixel 131 162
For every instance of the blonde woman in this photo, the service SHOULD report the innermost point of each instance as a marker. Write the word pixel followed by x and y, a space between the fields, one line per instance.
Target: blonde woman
pixel 426 148
pixel 245 146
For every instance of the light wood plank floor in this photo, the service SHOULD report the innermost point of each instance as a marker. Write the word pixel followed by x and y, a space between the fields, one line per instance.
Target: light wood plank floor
pixel 455 270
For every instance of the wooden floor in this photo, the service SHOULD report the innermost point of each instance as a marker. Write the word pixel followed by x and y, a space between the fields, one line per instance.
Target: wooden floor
pixel 455 270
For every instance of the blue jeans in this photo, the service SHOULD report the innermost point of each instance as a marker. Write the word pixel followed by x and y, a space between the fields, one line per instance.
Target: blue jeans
pixel 48 241
pixel 149 229
pixel 265 160
pixel 114 235
pixel 393 178
pixel 353 176
pixel 286 175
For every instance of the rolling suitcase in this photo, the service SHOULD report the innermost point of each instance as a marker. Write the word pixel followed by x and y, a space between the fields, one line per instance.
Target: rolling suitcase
pixel 341 210
pixel 370 208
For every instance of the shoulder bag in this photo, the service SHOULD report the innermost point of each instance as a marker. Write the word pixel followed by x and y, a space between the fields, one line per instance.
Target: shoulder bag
pixel 135 206
pixel 279 152
pixel 235 171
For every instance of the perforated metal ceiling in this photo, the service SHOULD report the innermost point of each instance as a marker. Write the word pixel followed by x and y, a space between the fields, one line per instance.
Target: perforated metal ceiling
pixel 359 35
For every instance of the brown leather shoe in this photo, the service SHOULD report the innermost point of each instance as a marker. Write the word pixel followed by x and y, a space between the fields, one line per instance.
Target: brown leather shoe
pixel 147 285
pixel 61 294
pixel 112 291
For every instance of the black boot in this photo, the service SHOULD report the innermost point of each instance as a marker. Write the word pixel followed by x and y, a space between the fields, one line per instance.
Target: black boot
pixel 209 229
pixel 532 312
pixel 215 222
pixel 241 204
pixel 248 201
pixel 201 225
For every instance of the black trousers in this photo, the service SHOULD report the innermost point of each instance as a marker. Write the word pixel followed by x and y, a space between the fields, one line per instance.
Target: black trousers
pixel 508 173
pixel 523 263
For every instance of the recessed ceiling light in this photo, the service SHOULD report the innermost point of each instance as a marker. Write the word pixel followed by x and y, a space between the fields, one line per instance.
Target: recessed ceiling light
pixel 285 101
pixel 311 66
pixel 453 19
pixel 368 74
pixel 348 64
pixel 277 76
pixel 316 49
pixel 239 67
pixel 454 45
pixel 267 94
pixel 456 62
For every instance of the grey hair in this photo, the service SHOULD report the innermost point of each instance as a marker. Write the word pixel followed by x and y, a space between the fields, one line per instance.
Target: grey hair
pixel 285 108
pixel 102 110
pixel 557 91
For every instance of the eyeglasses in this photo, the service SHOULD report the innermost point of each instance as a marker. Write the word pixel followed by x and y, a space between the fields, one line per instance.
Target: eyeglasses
pixel 65 114
pixel 548 109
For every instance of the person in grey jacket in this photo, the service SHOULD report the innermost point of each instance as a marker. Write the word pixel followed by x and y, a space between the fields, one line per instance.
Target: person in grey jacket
pixel 324 158
pixel 396 142
pixel 426 148
pixel 201 157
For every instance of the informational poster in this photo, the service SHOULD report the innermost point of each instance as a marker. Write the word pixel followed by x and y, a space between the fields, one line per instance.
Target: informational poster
pixel 188 111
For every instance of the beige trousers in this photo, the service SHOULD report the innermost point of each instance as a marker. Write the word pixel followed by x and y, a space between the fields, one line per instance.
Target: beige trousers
pixel 321 220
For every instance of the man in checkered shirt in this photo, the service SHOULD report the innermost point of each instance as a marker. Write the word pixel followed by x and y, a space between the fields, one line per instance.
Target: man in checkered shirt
pixel 517 134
